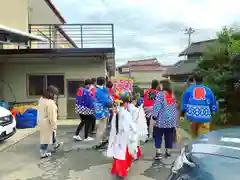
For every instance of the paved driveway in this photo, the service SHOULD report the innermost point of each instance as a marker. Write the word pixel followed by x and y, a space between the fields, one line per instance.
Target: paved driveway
pixel 76 160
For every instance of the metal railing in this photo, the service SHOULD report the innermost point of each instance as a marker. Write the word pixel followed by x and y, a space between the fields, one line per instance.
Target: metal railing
pixel 73 35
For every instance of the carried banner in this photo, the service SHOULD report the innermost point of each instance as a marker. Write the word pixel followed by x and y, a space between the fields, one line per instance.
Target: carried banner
pixel 124 84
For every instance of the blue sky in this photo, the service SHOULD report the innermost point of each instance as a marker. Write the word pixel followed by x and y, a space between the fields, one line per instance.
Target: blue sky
pixel 153 28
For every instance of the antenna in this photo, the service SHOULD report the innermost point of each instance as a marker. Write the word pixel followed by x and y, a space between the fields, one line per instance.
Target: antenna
pixel 189 31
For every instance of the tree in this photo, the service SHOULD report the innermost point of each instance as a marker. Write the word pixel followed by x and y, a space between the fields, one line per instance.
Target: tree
pixel 216 66
pixel 137 89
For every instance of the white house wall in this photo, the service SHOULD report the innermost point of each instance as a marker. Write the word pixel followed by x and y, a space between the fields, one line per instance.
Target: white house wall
pixel 146 76
pixel 15 74
pixel 41 13
pixel 14 14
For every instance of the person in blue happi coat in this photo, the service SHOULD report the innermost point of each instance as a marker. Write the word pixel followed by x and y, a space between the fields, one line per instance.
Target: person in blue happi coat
pixel 199 104
pixel 102 104
pixel 84 107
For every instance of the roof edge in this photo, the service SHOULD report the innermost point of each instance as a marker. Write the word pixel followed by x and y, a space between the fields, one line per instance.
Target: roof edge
pixel 66 36
pixel 183 53
pixel 56 11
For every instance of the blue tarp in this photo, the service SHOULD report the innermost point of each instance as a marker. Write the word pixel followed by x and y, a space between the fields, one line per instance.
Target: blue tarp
pixel 27 120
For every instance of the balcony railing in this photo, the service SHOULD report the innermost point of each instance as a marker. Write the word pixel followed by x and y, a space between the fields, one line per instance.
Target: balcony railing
pixel 73 35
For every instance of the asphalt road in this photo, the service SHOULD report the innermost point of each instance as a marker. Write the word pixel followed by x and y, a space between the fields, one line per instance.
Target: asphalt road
pixel 75 160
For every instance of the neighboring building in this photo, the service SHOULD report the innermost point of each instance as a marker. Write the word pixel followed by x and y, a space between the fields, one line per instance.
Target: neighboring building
pixel 69 53
pixel 180 71
pixel 142 71
pixel 196 49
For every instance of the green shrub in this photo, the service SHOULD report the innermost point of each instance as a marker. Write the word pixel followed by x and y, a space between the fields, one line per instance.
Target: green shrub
pixel 178 90
pixel 137 89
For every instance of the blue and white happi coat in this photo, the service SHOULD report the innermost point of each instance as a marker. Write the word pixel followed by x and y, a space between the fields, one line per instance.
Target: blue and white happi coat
pixel 165 112
pixel 199 103
pixel 102 101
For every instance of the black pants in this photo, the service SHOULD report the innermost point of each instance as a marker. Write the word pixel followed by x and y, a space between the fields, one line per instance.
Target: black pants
pixel 148 124
pixel 168 134
pixel 86 121
pixel 93 124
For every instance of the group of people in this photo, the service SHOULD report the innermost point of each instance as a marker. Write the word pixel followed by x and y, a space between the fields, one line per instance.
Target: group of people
pixel 94 105
pixel 123 120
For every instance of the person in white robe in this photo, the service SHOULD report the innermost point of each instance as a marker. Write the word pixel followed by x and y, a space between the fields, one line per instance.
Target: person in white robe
pixel 122 145
pixel 139 120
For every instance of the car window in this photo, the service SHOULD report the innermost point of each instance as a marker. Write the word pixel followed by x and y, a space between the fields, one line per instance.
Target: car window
pixel 213 167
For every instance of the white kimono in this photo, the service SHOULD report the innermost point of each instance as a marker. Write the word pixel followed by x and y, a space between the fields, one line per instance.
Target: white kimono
pixel 118 143
pixel 139 118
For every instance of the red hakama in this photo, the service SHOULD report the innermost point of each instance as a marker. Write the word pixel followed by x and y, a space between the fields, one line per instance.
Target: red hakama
pixel 139 153
pixel 120 167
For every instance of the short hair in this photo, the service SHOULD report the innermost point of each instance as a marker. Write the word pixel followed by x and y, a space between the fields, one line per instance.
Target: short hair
pixel 154 84
pixel 101 81
pixel 190 79
pixel 124 99
pixel 87 82
pixel 166 85
pixel 93 80
pixel 50 92
pixel 198 78
pixel 109 84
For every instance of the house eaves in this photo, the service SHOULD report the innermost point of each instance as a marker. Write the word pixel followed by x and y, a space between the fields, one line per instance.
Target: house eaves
pixel 10 35
pixel 196 48
pixel 184 67
pixel 152 61
pixel 55 10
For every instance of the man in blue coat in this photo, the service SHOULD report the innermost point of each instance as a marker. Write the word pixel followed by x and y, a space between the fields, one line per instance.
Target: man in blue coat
pixel 199 104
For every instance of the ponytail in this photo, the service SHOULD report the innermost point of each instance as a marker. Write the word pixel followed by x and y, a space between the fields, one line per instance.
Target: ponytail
pixel 117 123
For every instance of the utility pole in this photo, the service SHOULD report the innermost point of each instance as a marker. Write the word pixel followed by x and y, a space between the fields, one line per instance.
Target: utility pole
pixel 189 31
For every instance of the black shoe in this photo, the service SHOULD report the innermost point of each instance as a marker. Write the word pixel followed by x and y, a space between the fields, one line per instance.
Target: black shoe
pixel 56 147
pixel 102 145
pixel 158 156
pixel 167 154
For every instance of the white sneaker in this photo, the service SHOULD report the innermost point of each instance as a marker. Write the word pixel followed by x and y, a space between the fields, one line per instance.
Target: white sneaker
pixel 77 138
pixel 89 139
pixel 45 155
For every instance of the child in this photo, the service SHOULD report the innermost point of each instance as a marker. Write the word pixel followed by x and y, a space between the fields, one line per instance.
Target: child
pixel 138 118
pixel 120 136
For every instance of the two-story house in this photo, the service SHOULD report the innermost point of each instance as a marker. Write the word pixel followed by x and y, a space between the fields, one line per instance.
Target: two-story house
pixel 180 71
pixel 142 71
pixel 62 54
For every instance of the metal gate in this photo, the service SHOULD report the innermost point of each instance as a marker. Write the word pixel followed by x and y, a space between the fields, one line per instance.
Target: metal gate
pixel 72 87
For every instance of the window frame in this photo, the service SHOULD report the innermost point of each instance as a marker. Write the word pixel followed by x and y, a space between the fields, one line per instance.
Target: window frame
pixel 45 82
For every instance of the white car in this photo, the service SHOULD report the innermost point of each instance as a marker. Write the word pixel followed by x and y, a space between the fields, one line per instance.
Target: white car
pixel 7 124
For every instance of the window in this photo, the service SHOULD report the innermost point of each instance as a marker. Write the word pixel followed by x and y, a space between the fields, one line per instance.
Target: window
pixel 35 85
pixel 38 83
pixel 57 81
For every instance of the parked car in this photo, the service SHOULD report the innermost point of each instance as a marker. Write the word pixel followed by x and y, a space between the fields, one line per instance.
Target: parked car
pixel 7 124
pixel 213 156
